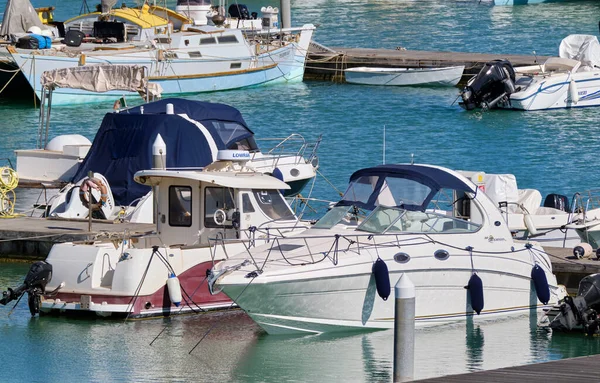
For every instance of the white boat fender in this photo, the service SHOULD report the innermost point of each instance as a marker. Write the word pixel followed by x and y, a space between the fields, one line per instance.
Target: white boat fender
pixel 475 287
pixel 174 289
pixel 583 250
pixel 528 220
pixel 573 94
pixel 382 278
pixel 540 282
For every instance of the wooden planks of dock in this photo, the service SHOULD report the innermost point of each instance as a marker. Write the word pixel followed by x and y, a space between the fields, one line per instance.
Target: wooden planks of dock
pixel 585 369
pixel 329 63
pixel 34 237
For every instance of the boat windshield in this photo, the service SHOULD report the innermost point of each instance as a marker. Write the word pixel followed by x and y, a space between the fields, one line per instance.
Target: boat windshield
pixel 338 214
pixel 397 220
pixel 389 191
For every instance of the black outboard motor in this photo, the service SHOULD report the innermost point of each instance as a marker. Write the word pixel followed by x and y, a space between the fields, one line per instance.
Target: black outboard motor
pixel 40 273
pixel 494 83
pixel 581 311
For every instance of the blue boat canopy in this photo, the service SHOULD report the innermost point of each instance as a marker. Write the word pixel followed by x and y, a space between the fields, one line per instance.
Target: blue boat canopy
pixel 193 135
pixel 411 187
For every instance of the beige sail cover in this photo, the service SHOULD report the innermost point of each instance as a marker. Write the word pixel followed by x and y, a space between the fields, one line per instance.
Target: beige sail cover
pixel 102 78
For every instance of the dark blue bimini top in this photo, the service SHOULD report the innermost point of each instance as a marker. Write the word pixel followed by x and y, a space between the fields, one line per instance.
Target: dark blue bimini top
pixel 123 144
pixel 422 183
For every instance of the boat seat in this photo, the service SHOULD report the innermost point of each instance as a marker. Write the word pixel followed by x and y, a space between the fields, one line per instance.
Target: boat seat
pixel 557 64
pixel 73 38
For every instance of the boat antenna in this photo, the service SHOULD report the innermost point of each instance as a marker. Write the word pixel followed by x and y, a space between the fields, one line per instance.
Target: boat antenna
pixel 384 144
pixel 412 158
pixel 537 61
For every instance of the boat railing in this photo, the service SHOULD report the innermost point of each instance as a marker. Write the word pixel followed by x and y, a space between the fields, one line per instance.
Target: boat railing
pixel 583 202
pixel 249 237
pixel 293 148
pixel 320 251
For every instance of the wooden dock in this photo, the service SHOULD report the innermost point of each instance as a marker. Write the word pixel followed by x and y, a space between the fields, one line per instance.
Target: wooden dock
pixel 583 369
pixel 33 237
pixel 325 63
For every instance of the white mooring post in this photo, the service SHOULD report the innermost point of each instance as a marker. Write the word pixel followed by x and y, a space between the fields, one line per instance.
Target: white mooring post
pixel 404 330
pixel 286 13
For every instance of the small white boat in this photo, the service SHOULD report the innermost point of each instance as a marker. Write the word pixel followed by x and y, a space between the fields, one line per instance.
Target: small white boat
pixel 329 278
pixel 448 76
pixel 569 81
pixel 558 222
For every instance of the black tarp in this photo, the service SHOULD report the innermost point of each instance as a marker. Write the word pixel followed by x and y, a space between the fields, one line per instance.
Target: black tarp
pixel 123 144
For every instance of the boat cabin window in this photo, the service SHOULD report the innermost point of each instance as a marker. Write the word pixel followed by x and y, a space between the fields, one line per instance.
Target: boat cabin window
pixel 228 39
pixel 397 220
pixel 234 135
pixel 180 206
pixel 208 40
pixel 217 198
pixel 247 204
pixel 272 204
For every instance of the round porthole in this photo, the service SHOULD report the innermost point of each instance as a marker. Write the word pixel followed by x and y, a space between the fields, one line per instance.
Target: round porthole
pixel 401 257
pixel 294 172
pixel 441 254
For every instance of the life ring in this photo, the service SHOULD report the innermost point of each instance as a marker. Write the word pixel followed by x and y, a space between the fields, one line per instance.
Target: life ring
pixel 86 188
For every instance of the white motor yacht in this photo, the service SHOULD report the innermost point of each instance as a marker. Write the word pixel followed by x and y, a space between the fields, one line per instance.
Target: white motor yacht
pixel 164 272
pixel 426 222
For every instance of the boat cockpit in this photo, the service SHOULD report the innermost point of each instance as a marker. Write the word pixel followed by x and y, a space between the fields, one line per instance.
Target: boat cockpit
pixel 406 198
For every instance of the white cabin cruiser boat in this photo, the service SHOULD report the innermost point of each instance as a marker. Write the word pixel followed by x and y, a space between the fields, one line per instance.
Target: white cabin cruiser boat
pixel 557 222
pixel 447 76
pixel 163 273
pixel 569 81
pixel 196 130
pixel 426 222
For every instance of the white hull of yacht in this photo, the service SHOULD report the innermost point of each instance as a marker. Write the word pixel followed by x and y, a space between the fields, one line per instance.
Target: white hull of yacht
pixel 323 298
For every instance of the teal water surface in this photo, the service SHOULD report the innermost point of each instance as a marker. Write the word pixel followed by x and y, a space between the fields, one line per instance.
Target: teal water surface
pixel 553 151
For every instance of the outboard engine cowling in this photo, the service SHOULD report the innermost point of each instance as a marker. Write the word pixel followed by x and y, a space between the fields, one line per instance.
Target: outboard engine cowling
pixel 40 273
pixel 581 311
pixel 494 83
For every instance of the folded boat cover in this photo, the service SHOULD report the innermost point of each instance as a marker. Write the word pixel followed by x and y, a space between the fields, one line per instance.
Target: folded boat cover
pixel 101 78
pixel 584 48
pixel 19 16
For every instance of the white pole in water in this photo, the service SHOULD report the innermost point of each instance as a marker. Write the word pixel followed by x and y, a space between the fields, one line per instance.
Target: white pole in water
pixel 384 144
pixel 404 330
pixel 286 13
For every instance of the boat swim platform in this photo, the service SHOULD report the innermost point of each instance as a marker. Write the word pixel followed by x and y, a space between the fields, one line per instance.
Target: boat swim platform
pixel 325 63
pixel 32 238
pixel 583 369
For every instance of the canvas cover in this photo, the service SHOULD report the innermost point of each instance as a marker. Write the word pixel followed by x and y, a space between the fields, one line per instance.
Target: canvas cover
pixel 123 144
pixel 19 16
pixel 584 48
pixel 97 78
pixel 501 188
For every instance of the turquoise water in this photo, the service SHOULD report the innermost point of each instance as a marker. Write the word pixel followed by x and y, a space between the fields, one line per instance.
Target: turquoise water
pixel 553 151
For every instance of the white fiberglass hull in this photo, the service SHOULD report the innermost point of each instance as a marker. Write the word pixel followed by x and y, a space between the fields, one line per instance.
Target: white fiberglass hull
pixel 104 281
pixel 562 90
pixel 449 76
pixel 322 297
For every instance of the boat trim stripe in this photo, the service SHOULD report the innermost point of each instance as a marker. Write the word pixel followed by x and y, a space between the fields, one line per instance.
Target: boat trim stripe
pixel 215 74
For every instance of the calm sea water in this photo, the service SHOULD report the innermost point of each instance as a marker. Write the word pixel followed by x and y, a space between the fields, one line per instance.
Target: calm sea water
pixel 553 151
